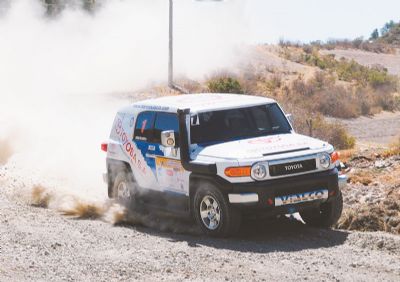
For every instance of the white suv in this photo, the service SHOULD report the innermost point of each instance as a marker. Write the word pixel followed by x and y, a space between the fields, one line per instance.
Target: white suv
pixel 219 157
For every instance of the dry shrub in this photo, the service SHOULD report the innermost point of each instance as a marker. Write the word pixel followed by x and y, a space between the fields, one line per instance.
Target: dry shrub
pixel 347 155
pixel 272 84
pixel 362 176
pixel 301 89
pixel 394 149
pixel 384 216
pixel 40 197
pixel 6 151
pixel 322 80
pixel 336 101
pixel 334 133
pixel 83 210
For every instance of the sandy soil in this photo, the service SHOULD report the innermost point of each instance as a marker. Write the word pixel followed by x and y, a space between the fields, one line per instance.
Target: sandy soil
pixel 389 61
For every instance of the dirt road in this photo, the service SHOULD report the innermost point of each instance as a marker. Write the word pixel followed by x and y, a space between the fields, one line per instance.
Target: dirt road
pixel 380 129
pixel 40 244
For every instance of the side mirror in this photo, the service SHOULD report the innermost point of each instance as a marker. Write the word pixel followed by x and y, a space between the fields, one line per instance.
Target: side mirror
pixel 168 138
pixel 290 119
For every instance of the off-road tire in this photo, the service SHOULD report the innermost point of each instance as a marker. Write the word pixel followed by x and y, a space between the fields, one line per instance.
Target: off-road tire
pixel 327 215
pixel 126 178
pixel 230 218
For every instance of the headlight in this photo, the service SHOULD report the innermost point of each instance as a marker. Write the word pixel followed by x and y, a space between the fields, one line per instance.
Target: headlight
pixel 324 160
pixel 259 171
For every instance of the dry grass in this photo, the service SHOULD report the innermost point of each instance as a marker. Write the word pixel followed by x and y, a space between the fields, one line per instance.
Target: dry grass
pixel 384 216
pixel 347 155
pixel 6 151
pixel 394 149
pixel 40 197
pixel 364 177
pixel 83 210
pixel 376 207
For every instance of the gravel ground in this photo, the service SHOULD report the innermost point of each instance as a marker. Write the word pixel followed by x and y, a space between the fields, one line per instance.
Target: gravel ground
pixel 40 244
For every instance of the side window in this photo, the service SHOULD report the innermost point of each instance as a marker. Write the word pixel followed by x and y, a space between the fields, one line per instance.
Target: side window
pixel 144 126
pixel 166 121
pixel 278 119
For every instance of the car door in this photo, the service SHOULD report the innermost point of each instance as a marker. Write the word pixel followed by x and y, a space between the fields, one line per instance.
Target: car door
pixel 144 141
pixel 171 176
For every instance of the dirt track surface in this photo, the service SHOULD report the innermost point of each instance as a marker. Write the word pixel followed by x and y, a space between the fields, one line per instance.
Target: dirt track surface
pixel 40 244
pixel 380 129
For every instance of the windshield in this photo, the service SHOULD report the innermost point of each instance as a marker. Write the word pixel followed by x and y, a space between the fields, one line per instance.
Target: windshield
pixel 235 124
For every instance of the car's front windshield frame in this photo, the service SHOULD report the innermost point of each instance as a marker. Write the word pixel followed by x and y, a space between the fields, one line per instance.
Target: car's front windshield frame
pixel 247 124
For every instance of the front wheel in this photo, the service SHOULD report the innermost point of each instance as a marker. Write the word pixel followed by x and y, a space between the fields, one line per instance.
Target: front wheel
pixel 327 215
pixel 213 213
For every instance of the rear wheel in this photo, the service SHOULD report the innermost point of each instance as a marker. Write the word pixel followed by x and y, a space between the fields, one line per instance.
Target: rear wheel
pixel 326 215
pixel 213 213
pixel 123 186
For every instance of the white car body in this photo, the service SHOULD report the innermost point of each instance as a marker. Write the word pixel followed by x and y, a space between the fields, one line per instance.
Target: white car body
pixel 159 168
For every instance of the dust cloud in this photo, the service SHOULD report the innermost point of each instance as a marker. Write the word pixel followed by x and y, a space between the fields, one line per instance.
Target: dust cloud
pixel 59 78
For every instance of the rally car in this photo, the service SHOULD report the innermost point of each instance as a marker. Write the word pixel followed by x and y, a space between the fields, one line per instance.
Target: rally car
pixel 219 158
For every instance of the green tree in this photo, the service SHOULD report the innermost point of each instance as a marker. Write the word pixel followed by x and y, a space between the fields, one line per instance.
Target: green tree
pixel 374 34
pixel 387 27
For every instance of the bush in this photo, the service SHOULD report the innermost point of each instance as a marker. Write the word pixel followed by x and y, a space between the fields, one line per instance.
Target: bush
pixel 300 88
pixel 334 133
pixel 273 83
pixel 224 85
pixel 336 101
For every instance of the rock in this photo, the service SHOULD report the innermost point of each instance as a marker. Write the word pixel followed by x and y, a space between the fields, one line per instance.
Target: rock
pixel 380 164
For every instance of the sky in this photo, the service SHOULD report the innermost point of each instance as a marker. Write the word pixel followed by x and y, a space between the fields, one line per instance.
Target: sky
pixel 267 21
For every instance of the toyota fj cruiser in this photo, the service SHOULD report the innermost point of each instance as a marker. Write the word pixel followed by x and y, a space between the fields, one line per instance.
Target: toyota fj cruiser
pixel 219 157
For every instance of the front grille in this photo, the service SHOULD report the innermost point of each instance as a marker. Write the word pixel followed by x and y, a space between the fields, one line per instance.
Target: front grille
pixel 292 167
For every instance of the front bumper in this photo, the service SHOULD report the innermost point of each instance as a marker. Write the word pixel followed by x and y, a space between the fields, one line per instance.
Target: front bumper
pixel 261 195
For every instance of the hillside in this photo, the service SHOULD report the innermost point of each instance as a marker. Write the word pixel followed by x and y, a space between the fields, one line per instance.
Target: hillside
pixel 370 59
pixel 313 84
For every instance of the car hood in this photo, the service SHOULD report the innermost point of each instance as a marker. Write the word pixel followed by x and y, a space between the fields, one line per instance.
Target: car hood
pixel 259 147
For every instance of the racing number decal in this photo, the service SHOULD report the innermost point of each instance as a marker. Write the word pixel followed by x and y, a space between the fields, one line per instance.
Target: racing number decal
pixel 143 126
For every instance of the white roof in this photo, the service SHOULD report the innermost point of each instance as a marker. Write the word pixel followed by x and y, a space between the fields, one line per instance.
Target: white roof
pixel 202 102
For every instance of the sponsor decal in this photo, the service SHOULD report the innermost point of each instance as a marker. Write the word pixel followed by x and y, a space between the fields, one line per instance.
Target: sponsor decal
pixel 274 147
pixel 170 173
pixel 169 163
pixel 151 107
pixel 129 148
pixel 301 197
pixel 265 140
